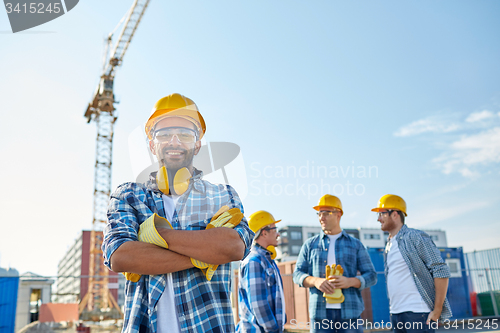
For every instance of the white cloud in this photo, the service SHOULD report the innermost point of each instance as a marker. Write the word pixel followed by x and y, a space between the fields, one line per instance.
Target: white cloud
pixel 435 215
pixel 471 151
pixel 478 116
pixel 432 124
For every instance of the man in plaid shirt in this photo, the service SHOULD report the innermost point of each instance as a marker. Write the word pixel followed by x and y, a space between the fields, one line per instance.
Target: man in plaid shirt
pixel 417 276
pixel 333 246
pixel 168 290
pixel 260 293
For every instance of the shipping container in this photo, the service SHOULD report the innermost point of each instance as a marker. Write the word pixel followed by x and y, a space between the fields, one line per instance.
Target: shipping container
pixel 458 289
pixel 8 302
pixel 458 286
pixel 380 301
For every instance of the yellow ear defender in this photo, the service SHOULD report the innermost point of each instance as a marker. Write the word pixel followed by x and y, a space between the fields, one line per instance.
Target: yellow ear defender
pixel 181 181
pixel 272 249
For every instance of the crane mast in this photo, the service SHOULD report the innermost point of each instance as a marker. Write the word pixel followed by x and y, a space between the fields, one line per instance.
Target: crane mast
pixel 98 302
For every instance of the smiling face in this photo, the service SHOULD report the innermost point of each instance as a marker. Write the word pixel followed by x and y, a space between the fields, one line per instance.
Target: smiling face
pixel 389 221
pixel 170 150
pixel 269 235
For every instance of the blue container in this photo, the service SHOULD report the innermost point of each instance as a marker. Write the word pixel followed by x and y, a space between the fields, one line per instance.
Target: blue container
pixel 8 302
pixel 458 288
pixel 380 301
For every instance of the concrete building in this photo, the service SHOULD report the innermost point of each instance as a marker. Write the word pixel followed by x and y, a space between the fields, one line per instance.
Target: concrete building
pixel 34 290
pixel 292 238
pixel 73 270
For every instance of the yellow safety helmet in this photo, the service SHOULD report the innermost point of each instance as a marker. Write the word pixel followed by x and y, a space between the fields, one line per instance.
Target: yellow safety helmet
pixel 329 201
pixel 391 202
pixel 176 105
pixel 260 219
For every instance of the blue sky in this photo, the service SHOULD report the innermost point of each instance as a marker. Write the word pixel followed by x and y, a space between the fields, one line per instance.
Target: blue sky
pixel 408 90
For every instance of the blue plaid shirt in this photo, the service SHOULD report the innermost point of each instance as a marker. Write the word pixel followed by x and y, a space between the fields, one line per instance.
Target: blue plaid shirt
pixel 260 299
pixel 425 263
pixel 202 306
pixel 352 256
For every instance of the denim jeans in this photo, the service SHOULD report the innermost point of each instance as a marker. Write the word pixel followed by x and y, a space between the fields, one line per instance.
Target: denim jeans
pixel 335 324
pixel 411 322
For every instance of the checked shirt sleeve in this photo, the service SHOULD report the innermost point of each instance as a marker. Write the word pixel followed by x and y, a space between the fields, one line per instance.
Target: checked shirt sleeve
pixel 258 296
pixel 243 230
pixel 126 210
pixel 430 255
pixel 368 275
pixel 302 265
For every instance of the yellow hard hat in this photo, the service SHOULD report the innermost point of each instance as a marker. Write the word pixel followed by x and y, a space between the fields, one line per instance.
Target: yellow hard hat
pixel 176 105
pixel 391 202
pixel 329 201
pixel 260 219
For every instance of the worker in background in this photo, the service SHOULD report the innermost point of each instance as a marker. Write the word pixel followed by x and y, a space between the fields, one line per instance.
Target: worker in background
pixel 260 292
pixel 175 236
pixel 416 275
pixel 328 264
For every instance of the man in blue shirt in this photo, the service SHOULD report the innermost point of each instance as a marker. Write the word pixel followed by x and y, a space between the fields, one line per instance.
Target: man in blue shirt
pixel 260 291
pixel 167 289
pixel 334 247
pixel 417 276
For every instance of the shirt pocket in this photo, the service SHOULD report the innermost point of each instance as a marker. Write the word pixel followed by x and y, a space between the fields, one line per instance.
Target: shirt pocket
pixel 317 267
pixel 270 277
pixel 197 221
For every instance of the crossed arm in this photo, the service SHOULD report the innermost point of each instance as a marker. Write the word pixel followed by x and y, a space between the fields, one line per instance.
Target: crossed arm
pixel 213 246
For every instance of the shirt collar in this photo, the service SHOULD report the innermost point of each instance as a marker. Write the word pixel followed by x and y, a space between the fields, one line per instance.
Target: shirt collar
pixel 343 233
pixel 402 231
pixel 261 250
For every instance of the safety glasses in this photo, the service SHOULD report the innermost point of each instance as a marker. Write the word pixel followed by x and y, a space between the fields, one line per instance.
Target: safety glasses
pixel 184 135
pixel 326 212
pixel 386 212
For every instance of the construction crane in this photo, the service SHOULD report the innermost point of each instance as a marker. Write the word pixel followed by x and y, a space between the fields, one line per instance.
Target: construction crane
pixel 96 303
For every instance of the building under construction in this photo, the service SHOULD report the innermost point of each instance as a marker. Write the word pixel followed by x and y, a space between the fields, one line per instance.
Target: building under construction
pixel 73 274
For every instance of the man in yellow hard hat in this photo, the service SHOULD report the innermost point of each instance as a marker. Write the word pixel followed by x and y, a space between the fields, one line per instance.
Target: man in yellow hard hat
pixel 260 291
pixel 416 275
pixel 175 236
pixel 335 302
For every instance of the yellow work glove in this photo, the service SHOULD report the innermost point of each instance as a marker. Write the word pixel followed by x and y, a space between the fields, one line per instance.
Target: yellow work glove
pixel 148 233
pixel 224 218
pixel 336 296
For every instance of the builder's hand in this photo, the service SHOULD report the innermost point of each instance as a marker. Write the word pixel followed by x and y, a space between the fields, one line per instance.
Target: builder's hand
pixel 324 285
pixel 343 282
pixel 434 315
pixel 223 218
pixel 148 233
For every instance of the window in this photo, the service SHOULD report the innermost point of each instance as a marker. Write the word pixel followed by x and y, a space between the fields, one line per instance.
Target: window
pixel 295 250
pixel 455 267
pixel 435 238
pixel 35 303
pixel 372 236
pixel 295 235
pixel 311 234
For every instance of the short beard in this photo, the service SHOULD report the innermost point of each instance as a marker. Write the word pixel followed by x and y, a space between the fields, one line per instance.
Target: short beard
pixel 187 162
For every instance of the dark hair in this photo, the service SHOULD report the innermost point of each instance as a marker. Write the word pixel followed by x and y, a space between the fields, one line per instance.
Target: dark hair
pixel 402 215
